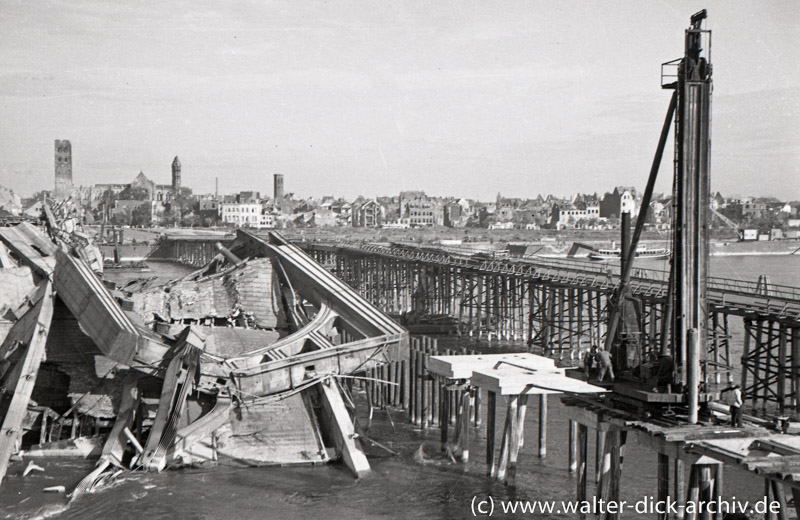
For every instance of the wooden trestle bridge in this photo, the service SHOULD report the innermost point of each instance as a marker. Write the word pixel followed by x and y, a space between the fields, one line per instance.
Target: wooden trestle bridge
pixel 561 306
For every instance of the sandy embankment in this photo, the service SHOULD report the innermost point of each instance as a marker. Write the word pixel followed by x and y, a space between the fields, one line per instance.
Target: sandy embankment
pixel 777 247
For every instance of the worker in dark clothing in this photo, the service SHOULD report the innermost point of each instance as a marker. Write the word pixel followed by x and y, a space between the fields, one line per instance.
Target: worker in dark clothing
pixel 604 363
pixel 666 370
pixel 588 363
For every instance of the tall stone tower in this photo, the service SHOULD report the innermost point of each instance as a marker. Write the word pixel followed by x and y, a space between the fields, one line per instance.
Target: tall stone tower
pixel 63 185
pixel 176 175
pixel 278 186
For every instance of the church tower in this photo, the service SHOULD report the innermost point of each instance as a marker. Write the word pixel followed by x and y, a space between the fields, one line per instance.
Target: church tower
pixel 176 175
pixel 63 157
pixel 277 187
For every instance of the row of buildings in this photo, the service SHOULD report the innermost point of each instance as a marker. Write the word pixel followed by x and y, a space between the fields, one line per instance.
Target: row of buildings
pixel 142 201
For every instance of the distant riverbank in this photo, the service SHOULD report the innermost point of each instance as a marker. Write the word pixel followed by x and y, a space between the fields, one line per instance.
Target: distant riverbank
pixel 777 247
pixel 542 242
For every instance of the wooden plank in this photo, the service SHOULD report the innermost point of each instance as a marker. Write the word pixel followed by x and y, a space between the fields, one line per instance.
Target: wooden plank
pixel 11 431
pixel 342 430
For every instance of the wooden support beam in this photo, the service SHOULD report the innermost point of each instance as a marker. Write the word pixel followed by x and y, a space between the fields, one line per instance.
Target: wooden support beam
pixel 769 515
pixel 463 434
pixel 542 426
pixel 706 487
pixel 745 355
pixel 796 497
pixel 604 467
pixel 779 496
pixel 583 441
pixel 444 416
pixel 795 367
pixel 476 406
pixel 719 486
pixel 342 429
pixel 663 483
pixel 781 368
pixel 600 442
pixel 508 429
pixel 611 472
pixel 759 348
pixel 573 449
pixel 518 432
pixel 679 492
pixel 491 418
pixel 31 329
pixel 693 493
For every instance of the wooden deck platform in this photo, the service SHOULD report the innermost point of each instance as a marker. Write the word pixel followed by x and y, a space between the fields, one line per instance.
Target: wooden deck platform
pixel 707 448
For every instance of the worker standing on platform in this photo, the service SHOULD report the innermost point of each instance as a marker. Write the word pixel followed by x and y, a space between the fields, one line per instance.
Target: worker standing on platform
pixel 588 362
pixel 604 364
pixel 735 404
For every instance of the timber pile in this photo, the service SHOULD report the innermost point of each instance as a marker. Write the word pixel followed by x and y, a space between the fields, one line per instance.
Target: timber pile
pixel 237 361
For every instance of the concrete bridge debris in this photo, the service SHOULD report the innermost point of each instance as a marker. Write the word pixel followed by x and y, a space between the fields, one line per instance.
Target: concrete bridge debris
pixel 238 361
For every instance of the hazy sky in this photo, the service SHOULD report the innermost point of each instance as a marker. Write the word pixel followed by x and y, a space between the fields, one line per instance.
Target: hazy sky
pixel 372 97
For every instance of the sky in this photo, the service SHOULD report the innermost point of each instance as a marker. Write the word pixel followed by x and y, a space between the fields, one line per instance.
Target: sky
pixel 464 98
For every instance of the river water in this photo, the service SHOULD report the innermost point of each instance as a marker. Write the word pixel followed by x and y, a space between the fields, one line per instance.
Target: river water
pixel 399 487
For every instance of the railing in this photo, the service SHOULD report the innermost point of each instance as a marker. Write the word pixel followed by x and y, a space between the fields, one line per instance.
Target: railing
pixel 783 299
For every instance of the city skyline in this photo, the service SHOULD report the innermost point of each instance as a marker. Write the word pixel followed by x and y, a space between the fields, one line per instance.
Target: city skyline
pixel 354 98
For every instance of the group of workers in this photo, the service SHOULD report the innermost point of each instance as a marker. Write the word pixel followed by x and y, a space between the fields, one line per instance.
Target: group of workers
pixel 600 359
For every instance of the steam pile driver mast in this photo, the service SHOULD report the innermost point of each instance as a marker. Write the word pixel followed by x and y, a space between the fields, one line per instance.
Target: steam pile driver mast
pixel 685 332
pixel 691 219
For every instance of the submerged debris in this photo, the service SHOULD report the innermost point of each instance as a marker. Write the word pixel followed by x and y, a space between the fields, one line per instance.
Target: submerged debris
pixel 31 467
